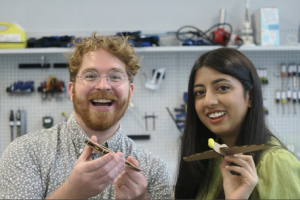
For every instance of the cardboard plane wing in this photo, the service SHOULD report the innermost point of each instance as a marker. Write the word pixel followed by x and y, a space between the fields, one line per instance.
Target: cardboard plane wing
pixel 225 150
pixel 202 156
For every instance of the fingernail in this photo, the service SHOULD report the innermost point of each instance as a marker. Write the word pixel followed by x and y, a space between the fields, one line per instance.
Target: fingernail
pixel 235 155
pixel 226 166
pixel 121 155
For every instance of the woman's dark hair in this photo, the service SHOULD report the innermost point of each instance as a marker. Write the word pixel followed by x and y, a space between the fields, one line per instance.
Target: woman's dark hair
pixel 192 175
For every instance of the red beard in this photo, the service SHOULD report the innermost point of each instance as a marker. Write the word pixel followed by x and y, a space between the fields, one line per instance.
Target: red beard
pixel 95 120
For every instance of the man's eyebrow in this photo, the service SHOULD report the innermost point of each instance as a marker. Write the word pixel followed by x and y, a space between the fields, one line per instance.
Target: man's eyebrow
pixel 214 82
pixel 92 68
pixel 95 69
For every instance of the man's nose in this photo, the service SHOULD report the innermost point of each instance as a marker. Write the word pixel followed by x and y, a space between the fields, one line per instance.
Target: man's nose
pixel 103 83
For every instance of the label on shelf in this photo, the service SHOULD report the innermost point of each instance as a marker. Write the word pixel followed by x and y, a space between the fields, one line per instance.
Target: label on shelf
pixel 10 37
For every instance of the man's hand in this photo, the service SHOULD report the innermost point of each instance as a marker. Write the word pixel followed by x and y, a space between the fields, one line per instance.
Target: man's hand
pixel 238 187
pixel 89 178
pixel 131 184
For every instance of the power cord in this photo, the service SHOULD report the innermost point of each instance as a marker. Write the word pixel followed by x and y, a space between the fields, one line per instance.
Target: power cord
pixel 189 32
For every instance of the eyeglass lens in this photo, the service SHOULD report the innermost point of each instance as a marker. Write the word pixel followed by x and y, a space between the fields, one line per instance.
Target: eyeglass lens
pixel 114 78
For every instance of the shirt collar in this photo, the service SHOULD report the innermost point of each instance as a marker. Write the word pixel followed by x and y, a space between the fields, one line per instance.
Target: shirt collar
pixel 114 142
pixel 78 137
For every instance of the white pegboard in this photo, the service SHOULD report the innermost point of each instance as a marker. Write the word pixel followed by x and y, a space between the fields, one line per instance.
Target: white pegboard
pixel 285 126
pixel 165 139
pixel 32 103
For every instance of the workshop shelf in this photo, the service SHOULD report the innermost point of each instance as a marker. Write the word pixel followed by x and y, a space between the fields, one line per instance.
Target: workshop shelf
pixel 155 49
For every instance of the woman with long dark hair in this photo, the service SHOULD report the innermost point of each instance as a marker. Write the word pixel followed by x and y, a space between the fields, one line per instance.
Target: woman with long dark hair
pixel 225 103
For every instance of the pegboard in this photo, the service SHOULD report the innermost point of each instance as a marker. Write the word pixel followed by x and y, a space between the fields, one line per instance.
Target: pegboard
pixel 165 137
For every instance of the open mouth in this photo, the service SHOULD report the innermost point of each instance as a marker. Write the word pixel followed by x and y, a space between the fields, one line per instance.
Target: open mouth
pixel 102 102
pixel 216 115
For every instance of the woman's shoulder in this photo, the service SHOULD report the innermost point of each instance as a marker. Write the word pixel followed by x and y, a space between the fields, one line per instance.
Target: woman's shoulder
pixel 278 172
pixel 275 153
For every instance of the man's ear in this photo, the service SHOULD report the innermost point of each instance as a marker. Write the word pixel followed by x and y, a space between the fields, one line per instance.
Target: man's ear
pixel 131 89
pixel 70 90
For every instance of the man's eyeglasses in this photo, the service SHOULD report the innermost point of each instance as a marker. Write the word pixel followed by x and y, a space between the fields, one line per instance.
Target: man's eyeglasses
pixel 91 78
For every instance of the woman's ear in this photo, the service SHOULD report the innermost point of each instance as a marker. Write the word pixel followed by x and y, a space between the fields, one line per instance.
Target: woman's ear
pixel 249 98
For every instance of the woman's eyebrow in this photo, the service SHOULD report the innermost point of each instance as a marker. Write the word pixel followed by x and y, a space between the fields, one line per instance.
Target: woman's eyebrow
pixel 213 83
pixel 220 80
pixel 198 85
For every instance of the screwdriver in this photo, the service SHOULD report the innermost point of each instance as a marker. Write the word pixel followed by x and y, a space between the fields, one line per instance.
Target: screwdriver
pixel 12 123
pixel 294 100
pixel 283 74
pixel 289 98
pixel 294 73
pixel 283 100
pixel 18 123
pixel 278 100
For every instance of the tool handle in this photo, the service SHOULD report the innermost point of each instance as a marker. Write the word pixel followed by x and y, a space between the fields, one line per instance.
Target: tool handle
pixel 11 118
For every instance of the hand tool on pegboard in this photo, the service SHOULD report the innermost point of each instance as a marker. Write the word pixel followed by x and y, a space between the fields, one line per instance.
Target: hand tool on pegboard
pixel 12 123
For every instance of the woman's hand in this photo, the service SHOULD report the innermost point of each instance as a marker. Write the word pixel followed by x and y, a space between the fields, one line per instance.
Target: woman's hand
pixel 238 187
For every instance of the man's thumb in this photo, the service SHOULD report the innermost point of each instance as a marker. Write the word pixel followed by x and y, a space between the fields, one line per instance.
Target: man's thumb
pixel 87 151
pixel 133 161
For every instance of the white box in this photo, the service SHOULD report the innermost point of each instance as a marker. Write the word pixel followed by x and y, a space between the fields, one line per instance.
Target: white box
pixel 266 22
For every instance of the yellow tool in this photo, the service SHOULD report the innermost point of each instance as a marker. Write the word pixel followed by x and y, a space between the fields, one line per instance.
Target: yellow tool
pixel 14 37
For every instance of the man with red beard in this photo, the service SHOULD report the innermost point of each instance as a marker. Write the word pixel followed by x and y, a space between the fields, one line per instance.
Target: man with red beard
pixel 55 163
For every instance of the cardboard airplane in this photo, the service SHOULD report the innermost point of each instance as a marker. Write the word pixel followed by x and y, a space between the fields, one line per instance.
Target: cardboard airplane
pixel 223 150
pixel 103 150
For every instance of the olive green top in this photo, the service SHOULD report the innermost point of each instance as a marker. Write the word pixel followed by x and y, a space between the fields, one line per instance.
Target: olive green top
pixel 278 173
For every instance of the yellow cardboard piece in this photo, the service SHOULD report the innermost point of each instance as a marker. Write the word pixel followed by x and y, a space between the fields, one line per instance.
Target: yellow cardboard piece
pixel 14 37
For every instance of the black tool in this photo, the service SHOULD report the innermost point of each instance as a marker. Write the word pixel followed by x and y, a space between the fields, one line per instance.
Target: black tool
pixel 18 123
pixel 150 116
pixel 47 122
pixel 52 41
pixel 139 137
pixel 12 123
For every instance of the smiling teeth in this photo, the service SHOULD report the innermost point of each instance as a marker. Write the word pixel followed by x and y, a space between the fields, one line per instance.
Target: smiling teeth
pixel 102 101
pixel 216 114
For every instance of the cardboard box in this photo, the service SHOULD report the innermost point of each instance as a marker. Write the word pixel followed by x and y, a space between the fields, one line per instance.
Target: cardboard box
pixel 266 27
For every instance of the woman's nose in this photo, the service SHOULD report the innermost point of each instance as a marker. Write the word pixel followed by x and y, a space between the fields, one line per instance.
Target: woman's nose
pixel 210 99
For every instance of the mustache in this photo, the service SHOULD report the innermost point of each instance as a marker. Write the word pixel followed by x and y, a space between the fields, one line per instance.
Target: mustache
pixel 103 95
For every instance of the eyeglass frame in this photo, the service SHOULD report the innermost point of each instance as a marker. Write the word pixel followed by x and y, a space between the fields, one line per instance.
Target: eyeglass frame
pixel 99 77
